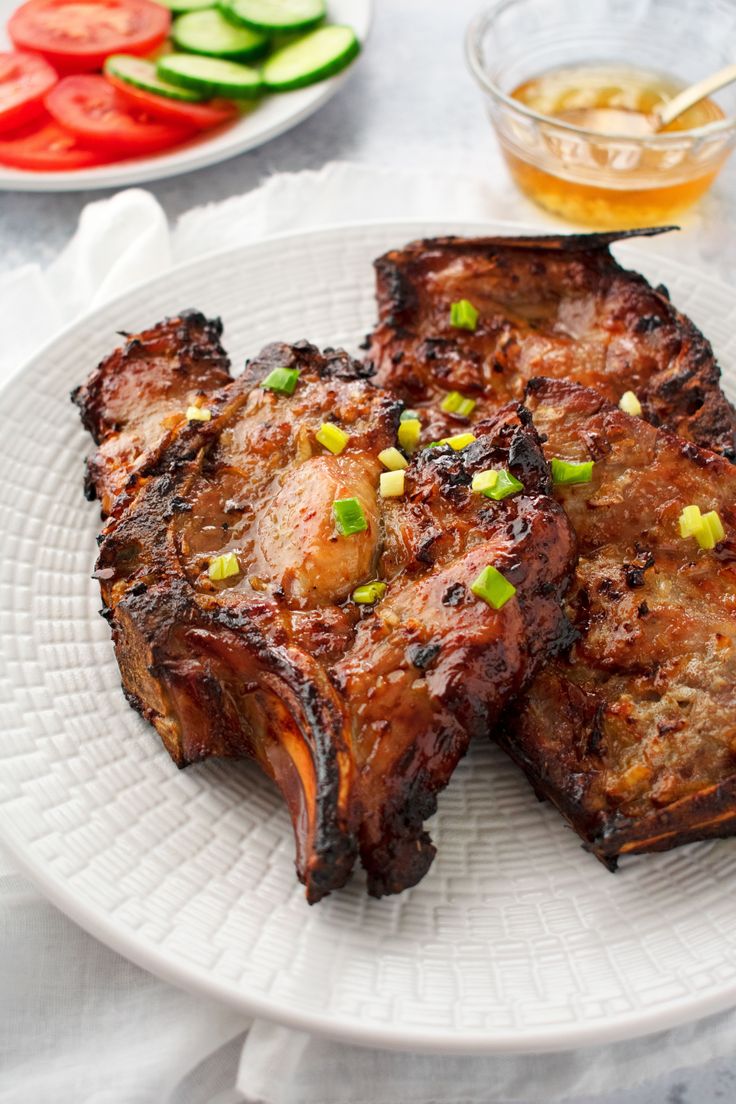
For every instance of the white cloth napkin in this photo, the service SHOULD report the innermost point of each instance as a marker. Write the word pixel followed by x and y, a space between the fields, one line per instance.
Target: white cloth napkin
pixel 79 1024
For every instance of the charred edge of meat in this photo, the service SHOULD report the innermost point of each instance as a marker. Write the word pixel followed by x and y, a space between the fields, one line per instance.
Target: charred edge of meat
pixel 193 336
pixel 709 814
pixel 155 616
pixel 331 363
pixel 567 243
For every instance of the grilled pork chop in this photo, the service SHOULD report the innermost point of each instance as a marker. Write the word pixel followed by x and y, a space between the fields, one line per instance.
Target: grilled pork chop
pixel 359 713
pixel 558 307
pixel 632 735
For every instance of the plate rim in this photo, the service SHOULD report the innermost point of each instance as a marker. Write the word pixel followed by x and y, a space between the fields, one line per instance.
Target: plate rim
pixel 193 978
pixel 187 159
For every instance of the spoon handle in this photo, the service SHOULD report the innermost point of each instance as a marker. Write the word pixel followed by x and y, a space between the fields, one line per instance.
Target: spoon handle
pixel 694 94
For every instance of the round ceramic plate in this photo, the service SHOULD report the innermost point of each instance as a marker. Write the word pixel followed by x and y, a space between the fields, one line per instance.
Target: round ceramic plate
pixel 515 940
pixel 266 119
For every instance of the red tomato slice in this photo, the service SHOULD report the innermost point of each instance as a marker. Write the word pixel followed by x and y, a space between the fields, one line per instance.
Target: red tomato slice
pixel 24 81
pixel 77 35
pixel 197 116
pixel 44 146
pixel 91 108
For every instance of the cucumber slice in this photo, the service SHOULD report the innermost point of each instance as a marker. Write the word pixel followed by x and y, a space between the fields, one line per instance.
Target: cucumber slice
pixel 178 6
pixel 312 58
pixel 276 15
pixel 208 32
pixel 211 76
pixel 142 74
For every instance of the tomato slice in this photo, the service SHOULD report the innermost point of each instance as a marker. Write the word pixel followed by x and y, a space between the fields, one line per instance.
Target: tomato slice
pixel 91 108
pixel 44 146
pixel 24 81
pixel 197 116
pixel 77 35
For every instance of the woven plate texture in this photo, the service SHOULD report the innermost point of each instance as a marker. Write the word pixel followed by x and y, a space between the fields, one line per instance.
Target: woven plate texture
pixel 516 940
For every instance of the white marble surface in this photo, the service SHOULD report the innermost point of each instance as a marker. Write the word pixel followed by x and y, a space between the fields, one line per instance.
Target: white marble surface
pixel 410 103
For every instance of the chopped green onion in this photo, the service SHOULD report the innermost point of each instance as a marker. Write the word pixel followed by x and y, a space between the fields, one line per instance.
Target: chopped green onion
pixel 222 567
pixel 455 403
pixel 463 315
pixel 706 528
pixel 409 416
pixel 715 525
pixel 493 588
pixel 502 486
pixel 461 441
pixel 198 414
pixel 410 431
pixel 349 516
pixel 564 472
pixel 332 437
pixel 368 593
pixel 484 481
pixel 690 521
pixel 392 459
pixel 281 380
pixel 630 404
pixel 392 484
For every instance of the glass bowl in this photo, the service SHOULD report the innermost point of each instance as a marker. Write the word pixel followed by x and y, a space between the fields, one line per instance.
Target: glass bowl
pixel 609 181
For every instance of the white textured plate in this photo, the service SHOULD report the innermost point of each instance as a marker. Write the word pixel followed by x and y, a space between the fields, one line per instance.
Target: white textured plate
pixel 270 117
pixel 516 939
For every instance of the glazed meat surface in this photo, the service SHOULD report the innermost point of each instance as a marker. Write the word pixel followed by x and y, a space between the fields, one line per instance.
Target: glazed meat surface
pixel 554 307
pixel 632 735
pixel 134 401
pixel 359 713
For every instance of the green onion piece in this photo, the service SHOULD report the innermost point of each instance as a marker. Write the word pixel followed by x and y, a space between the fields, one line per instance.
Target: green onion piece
pixel 392 484
pixel 714 523
pixel 349 517
pixel 496 484
pixel 332 437
pixel 281 380
pixel 506 485
pixel 629 403
pixel 466 407
pixel 706 528
pixel 492 587
pixel 484 481
pixel 690 521
pixel 368 593
pixel 564 472
pixel 392 459
pixel 222 567
pixel 455 403
pixel 463 315
pixel 460 441
pixel 409 433
pixel 198 414
pixel 409 416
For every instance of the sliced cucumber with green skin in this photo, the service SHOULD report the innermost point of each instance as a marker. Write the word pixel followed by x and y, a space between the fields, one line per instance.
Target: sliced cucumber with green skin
pixel 276 15
pixel 320 54
pixel 211 76
pixel 142 74
pixel 209 33
pixel 179 6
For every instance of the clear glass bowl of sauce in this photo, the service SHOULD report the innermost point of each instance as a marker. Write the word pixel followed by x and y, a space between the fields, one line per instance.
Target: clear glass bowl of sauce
pixel 569 84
